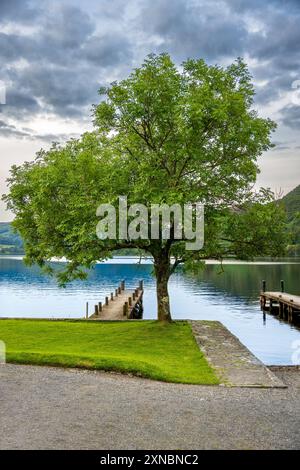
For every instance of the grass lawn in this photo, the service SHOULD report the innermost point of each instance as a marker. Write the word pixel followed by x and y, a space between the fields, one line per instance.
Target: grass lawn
pixel 159 351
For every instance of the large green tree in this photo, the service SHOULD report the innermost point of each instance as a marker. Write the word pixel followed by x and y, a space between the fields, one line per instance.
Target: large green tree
pixel 163 135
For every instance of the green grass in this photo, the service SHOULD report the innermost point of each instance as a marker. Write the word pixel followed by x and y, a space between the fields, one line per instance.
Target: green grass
pixel 165 352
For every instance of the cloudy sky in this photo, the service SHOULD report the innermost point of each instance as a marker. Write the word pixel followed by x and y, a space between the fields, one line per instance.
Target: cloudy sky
pixel 56 54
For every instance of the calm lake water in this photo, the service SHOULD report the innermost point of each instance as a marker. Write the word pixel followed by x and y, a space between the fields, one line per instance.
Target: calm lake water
pixel 231 297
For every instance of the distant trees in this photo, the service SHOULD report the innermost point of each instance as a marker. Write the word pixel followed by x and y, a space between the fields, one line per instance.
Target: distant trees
pixel 10 242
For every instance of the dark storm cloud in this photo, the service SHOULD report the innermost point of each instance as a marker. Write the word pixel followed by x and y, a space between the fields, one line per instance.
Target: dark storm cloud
pixel 262 5
pixel 266 31
pixel 69 28
pixel 202 29
pixel 21 100
pixel 276 48
pixel 108 50
pixel 19 105
pixel 273 88
pixel 17 10
pixel 64 64
pixel 290 116
pixel 71 50
pixel 280 40
pixel 63 91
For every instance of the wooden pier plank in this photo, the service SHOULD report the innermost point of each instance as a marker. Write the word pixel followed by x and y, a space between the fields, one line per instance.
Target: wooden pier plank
pixel 114 310
pixel 283 297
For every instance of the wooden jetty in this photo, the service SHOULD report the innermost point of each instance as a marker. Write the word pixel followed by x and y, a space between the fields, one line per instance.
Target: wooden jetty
pixel 283 304
pixel 122 304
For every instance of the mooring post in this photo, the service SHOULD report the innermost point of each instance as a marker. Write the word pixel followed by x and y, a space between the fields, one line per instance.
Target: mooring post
pixel 126 309
pixel 119 290
pixel 122 285
pixel 111 296
pixel 141 285
pixel 116 292
pixel 96 310
pixel 87 310
pixel 100 307
pixel 129 301
pixel 136 292
pixel 106 300
pixel 133 296
pixel 264 286
pixel 282 285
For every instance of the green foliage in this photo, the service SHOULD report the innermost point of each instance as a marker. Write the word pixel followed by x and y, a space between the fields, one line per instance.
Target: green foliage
pixel 259 228
pixel 159 351
pixel 292 203
pixel 161 136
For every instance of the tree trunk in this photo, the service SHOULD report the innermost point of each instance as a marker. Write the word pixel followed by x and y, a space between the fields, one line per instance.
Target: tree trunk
pixel 162 271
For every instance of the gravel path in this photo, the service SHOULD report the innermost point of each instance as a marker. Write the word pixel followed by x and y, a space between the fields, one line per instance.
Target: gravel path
pixel 52 408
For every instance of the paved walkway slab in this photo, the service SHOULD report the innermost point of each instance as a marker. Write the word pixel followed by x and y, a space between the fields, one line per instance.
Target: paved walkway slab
pixel 235 365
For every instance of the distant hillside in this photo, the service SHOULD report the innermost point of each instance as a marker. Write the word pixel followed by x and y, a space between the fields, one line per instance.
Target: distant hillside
pixel 10 243
pixel 292 205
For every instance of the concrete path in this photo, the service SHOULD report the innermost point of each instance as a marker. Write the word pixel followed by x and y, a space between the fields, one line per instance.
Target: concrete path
pixel 235 365
pixel 53 408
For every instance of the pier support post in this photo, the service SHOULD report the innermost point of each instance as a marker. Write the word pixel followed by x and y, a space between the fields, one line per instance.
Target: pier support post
pixel 122 285
pixel 282 285
pixel 106 301
pixel 96 310
pixel 100 307
pixel 290 314
pixel 263 302
pixel 126 309
pixel 271 306
pixel 87 310
pixel 282 311
pixel 285 311
pixel 263 286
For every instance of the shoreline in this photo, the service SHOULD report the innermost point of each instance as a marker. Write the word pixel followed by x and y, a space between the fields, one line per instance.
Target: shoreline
pixel 132 259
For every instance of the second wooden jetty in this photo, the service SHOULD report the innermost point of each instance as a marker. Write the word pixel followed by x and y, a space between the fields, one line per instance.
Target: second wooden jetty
pixel 283 304
pixel 122 304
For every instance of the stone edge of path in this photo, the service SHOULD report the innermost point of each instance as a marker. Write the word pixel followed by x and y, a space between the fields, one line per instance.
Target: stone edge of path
pixel 233 363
